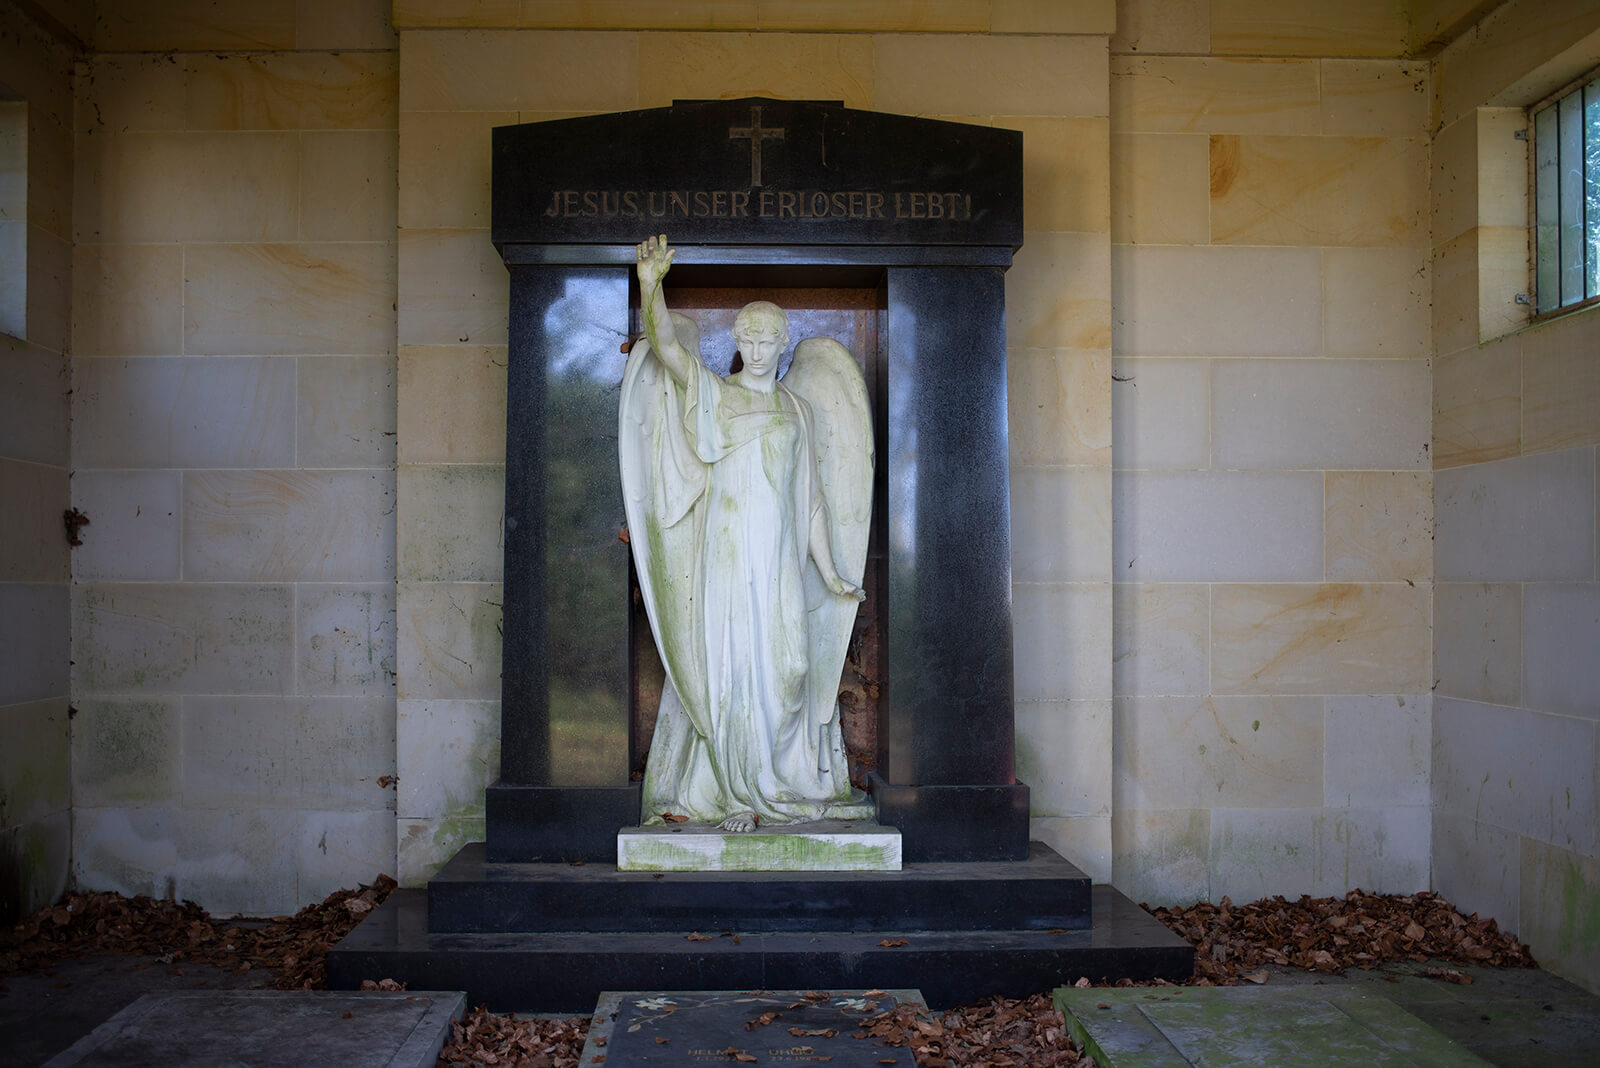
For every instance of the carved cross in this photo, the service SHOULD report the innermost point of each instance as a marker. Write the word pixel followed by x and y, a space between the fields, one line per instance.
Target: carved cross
pixel 755 133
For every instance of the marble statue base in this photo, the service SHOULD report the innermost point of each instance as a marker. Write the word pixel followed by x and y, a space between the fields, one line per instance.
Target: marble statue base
pixel 824 845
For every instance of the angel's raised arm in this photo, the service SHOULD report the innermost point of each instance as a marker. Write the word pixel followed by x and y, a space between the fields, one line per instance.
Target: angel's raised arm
pixel 655 258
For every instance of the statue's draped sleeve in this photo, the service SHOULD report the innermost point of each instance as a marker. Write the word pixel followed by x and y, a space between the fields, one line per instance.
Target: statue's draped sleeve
pixel 663 478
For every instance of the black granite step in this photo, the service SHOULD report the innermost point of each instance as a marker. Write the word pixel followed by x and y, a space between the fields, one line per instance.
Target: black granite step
pixel 1044 892
pixel 565 972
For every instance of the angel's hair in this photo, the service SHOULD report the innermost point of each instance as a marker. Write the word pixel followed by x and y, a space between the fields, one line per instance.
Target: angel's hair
pixel 761 318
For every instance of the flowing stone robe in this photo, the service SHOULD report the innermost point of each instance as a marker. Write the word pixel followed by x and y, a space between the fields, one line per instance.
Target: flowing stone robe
pixel 721 484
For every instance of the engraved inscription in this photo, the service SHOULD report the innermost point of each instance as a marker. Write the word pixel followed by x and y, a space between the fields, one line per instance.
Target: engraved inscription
pixel 805 204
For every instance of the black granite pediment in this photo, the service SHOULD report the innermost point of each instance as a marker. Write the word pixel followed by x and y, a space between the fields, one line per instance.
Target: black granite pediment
pixel 757 171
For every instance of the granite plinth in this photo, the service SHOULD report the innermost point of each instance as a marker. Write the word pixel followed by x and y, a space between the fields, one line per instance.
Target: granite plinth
pixel 473 894
pixel 1284 1028
pixel 558 823
pixel 956 823
pixel 272 1028
pixel 567 971
pixel 823 845
pixel 684 1027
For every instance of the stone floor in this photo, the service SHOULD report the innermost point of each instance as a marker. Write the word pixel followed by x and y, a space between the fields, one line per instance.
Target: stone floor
pixel 1513 1017
pixel 42 1013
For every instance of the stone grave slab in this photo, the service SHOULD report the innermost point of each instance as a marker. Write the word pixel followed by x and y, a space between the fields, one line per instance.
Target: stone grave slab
pixel 272 1029
pixel 693 1027
pixel 1212 1027
pixel 822 845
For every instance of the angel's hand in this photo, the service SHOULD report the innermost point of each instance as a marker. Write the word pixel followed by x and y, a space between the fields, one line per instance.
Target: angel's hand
pixel 654 260
pixel 846 589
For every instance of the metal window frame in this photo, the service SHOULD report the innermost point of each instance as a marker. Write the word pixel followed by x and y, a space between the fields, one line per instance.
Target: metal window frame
pixel 1588 79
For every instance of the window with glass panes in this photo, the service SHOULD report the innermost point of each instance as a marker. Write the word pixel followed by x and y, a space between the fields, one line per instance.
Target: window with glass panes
pixel 1566 180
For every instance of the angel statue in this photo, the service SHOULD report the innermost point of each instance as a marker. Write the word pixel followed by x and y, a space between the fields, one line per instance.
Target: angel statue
pixel 748 504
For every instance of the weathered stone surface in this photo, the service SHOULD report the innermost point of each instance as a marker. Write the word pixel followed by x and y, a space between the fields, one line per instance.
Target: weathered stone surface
pixel 826 845
pixel 365 1029
pixel 685 1027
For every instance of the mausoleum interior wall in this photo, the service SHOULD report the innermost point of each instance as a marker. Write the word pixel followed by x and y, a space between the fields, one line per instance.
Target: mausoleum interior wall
pixel 289 349
pixel 1272 522
pixel 1516 424
pixel 233 342
pixel 35 264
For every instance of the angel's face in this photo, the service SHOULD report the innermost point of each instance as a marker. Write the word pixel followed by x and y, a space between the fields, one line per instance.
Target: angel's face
pixel 760 354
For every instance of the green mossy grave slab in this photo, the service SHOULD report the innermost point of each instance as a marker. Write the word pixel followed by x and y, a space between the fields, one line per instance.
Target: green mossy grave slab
pixel 1210 1027
pixel 825 845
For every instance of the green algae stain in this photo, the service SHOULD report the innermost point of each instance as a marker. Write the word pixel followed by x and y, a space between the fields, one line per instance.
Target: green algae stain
pixel 1579 930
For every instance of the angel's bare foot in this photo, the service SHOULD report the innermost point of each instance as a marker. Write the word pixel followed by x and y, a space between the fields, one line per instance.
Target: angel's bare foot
pixel 740 821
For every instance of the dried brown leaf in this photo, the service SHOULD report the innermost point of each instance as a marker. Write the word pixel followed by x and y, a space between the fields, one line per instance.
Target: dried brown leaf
pixel 1449 975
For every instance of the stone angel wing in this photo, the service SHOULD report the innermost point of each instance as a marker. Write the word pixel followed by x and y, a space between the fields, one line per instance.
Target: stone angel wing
pixel 661 481
pixel 825 375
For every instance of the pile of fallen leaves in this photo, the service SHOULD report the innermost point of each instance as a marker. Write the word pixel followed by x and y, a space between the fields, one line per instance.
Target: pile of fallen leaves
pixel 1002 1032
pixel 485 1037
pixel 294 947
pixel 1329 934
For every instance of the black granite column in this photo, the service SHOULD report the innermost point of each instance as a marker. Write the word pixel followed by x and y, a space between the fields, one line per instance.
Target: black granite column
pixel 945 771
pixel 564 788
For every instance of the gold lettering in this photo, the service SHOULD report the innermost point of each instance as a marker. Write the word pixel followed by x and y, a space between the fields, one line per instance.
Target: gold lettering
pixel 554 209
pixel 739 207
pixel 591 203
pixel 819 204
pixel 630 203
pixel 569 203
pixel 678 203
pixel 766 204
pixel 702 204
pixel 899 207
pixel 658 203
pixel 874 205
pixel 719 204
pixel 935 206
pixel 856 200
pixel 969 205
pixel 841 204
pixel 785 205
